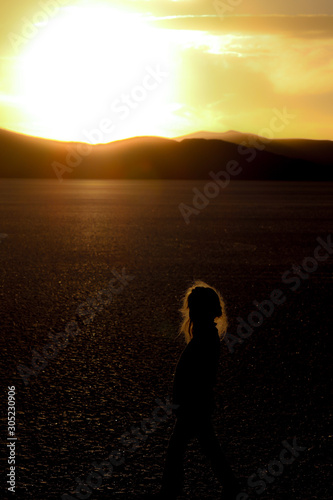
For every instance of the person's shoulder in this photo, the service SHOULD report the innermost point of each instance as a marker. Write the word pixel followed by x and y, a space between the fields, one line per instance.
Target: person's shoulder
pixel 190 348
pixel 191 351
pixel 211 339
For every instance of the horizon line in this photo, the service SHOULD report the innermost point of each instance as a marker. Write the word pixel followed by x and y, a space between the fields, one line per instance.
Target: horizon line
pixel 175 138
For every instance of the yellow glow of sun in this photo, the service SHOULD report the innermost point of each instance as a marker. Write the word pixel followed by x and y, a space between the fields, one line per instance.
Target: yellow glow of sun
pixel 96 68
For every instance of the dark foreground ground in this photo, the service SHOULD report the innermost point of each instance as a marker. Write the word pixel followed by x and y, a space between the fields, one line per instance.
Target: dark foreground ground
pixel 58 246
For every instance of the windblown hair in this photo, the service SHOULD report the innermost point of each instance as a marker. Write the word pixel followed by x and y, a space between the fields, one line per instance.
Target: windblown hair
pixel 200 299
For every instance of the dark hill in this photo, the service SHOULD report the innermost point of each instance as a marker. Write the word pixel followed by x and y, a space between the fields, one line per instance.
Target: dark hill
pixel 160 158
pixel 320 152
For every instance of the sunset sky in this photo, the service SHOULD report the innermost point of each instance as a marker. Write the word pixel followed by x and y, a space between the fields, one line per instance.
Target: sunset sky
pixel 106 70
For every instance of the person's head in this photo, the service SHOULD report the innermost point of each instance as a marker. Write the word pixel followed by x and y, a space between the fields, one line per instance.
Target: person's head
pixel 202 305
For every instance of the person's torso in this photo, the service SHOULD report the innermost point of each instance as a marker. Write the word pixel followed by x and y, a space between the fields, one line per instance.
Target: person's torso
pixel 196 371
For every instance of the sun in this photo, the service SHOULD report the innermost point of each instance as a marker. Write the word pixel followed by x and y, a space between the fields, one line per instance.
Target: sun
pixel 96 69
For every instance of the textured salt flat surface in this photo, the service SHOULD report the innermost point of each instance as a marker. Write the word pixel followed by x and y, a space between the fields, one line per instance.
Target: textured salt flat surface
pixel 59 244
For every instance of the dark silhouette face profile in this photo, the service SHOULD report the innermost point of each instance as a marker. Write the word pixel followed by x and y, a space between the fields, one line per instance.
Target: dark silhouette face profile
pixel 204 305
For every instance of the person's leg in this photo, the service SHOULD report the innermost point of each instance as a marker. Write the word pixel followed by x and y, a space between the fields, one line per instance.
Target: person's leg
pixel 173 475
pixel 213 451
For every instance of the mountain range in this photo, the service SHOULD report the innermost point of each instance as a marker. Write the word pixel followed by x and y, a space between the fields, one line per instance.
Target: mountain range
pixel 189 157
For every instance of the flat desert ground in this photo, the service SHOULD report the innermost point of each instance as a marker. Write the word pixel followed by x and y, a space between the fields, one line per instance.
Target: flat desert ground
pixel 60 246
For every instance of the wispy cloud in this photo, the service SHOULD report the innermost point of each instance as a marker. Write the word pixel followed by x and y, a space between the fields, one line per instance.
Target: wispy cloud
pixel 239 69
pixel 231 73
pixel 310 26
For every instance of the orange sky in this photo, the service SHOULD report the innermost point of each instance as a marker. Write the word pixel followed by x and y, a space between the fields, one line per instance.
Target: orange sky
pixel 101 71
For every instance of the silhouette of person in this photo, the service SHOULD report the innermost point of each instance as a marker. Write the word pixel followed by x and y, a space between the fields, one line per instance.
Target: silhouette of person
pixel 204 321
